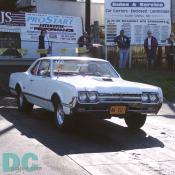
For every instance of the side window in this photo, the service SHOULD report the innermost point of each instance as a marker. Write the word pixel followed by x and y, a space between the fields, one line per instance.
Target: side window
pixel 34 69
pixel 44 68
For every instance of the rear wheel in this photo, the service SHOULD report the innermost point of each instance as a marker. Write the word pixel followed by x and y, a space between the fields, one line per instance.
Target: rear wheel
pixel 23 104
pixel 135 120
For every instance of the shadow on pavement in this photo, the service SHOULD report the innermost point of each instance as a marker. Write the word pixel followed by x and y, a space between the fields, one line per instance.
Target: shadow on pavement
pixel 170 116
pixel 172 107
pixel 5 72
pixel 92 136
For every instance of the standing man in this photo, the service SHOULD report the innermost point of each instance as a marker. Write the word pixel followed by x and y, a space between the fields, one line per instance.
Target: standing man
pixel 123 43
pixel 150 46
pixel 170 47
pixel 84 40
pixel 44 43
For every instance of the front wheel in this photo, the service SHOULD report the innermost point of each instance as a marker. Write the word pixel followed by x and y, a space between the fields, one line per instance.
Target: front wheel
pixel 62 121
pixel 135 120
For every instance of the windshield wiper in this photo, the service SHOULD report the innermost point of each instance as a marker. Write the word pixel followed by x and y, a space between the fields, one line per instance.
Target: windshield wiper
pixel 68 73
pixel 93 74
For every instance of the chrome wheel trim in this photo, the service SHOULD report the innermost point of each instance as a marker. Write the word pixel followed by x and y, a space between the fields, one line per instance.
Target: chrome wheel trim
pixel 60 115
pixel 21 99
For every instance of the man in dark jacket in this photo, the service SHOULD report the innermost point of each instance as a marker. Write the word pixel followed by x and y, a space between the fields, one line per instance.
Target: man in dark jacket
pixel 84 40
pixel 123 43
pixel 42 42
pixel 150 46
pixel 170 51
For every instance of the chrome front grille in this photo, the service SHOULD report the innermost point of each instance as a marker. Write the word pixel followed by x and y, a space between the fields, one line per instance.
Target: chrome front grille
pixel 135 98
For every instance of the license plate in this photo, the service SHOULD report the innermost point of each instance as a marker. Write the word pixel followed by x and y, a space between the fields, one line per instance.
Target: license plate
pixel 117 110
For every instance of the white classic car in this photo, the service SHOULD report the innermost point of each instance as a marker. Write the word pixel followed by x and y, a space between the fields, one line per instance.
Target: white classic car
pixel 69 86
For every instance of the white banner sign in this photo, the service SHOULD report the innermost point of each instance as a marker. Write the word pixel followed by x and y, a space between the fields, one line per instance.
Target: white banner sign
pixel 60 28
pixel 136 18
pixel 65 29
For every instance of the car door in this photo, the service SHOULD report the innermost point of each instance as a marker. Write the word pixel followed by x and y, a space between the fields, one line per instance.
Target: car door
pixel 27 84
pixel 38 83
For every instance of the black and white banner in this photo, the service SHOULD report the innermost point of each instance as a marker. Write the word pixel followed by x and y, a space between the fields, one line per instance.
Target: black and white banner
pixel 136 18
pixel 12 19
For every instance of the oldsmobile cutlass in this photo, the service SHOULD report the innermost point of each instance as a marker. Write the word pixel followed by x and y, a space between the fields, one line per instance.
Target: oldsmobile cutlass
pixel 79 86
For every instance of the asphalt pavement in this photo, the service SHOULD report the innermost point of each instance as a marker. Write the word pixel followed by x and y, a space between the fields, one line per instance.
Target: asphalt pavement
pixel 96 147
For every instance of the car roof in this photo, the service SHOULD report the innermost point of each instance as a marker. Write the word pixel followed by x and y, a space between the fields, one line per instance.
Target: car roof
pixel 72 58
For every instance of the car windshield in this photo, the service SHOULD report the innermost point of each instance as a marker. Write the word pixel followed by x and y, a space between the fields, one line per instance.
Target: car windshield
pixel 84 68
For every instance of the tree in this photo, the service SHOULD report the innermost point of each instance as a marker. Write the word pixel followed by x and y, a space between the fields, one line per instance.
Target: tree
pixel 8 5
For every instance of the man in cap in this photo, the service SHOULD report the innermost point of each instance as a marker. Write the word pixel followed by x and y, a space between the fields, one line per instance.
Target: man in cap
pixel 84 40
pixel 170 51
pixel 123 43
pixel 150 46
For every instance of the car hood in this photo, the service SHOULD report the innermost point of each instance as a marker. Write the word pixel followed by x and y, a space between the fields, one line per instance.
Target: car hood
pixel 107 85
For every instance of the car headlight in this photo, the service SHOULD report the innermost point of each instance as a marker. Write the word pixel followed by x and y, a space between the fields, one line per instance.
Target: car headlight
pixel 82 96
pixel 92 96
pixel 153 97
pixel 145 97
pixel 87 97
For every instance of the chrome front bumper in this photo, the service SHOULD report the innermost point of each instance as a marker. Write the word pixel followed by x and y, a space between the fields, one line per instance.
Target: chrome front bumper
pixel 105 107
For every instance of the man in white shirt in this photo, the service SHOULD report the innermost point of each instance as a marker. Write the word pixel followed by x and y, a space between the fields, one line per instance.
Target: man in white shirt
pixel 47 44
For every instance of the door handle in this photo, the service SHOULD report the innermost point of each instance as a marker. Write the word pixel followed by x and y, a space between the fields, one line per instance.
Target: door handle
pixel 31 80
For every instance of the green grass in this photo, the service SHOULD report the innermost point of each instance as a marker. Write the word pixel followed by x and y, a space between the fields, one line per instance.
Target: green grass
pixel 163 79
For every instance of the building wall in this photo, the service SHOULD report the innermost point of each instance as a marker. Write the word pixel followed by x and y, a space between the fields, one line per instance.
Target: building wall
pixel 71 9
pixel 78 9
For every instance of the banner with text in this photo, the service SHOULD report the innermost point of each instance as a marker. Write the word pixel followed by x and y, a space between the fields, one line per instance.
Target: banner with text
pixel 136 18
pixel 59 28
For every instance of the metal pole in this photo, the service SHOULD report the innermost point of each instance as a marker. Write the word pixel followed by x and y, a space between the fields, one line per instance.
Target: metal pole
pixel 83 29
pixel 171 12
pixel 130 57
pixel 88 16
pixel 106 52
